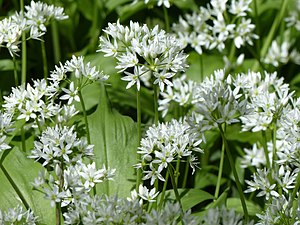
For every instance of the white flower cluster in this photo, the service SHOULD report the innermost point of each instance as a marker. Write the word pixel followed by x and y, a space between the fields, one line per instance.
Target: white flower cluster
pixel 6 124
pixel 114 210
pixel 217 100
pixel 85 74
pixel 165 143
pixel 281 53
pixel 62 151
pixel 29 102
pixel 266 98
pixel 222 215
pixel 180 93
pixel 209 28
pixel 292 19
pixel 18 215
pixel 165 3
pixel 143 54
pixel 37 102
pixel 36 17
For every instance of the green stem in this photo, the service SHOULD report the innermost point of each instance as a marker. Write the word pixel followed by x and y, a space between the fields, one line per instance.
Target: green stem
pixel 24 49
pixel 85 117
pixel 236 177
pixel 177 173
pixel 57 213
pixel 166 16
pixel 175 187
pixel 45 62
pixel 201 68
pixel 220 172
pixel 162 195
pixel 274 154
pixel 265 147
pixel 186 173
pixel 39 125
pixel 295 199
pixel 15 71
pixel 55 42
pixel 271 34
pixel 155 98
pixel 257 26
pixel 23 138
pixel 139 130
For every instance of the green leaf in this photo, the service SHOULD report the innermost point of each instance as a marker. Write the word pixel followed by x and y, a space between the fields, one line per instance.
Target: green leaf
pixel 233 133
pixel 115 139
pixel 186 4
pixel 6 65
pixel 113 4
pixel 235 203
pixel 209 63
pixel 190 197
pixel 16 174
pixel 90 94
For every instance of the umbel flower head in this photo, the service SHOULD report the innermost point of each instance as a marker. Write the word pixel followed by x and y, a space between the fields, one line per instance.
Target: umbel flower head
pixel 36 17
pixel 209 29
pixel 143 54
pixel 216 102
pixel 164 143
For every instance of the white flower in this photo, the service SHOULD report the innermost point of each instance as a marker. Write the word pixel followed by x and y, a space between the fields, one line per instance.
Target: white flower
pixel 146 194
pixel 134 78
pixel 71 94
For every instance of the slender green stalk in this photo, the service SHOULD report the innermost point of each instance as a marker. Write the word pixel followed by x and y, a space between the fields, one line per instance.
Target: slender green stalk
pixel 23 138
pixel 201 68
pixel 139 130
pixel 85 117
pixel 274 154
pixel 39 125
pixel 265 147
pixel 295 199
pixel 257 27
pixel 166 19
pixel 236 177
pixel 45 62
pixel 55 42
pixel 155 98
pixel 15 71
pixel 177 173
pixel 271 34
pixel 175 187
pixel 186 173
pixel 163 192
pixel 24 49
pixel 57 213
pixel 220 172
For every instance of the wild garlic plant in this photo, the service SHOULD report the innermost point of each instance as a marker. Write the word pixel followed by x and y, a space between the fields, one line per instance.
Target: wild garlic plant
pixel 32 24
pixel 212 27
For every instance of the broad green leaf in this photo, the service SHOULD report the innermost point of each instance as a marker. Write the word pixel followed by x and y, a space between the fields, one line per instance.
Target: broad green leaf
pixel 220 201
pixel 113 4
pixel 203 178
pixel 186 4
pixel 233 133
pixel 208 65
pixel 16 174
pixel 86 8
pixel 116 88
pixel 235 203
pixel 6 65
pixel 115 139
pixel 90 95
pixel 190 197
